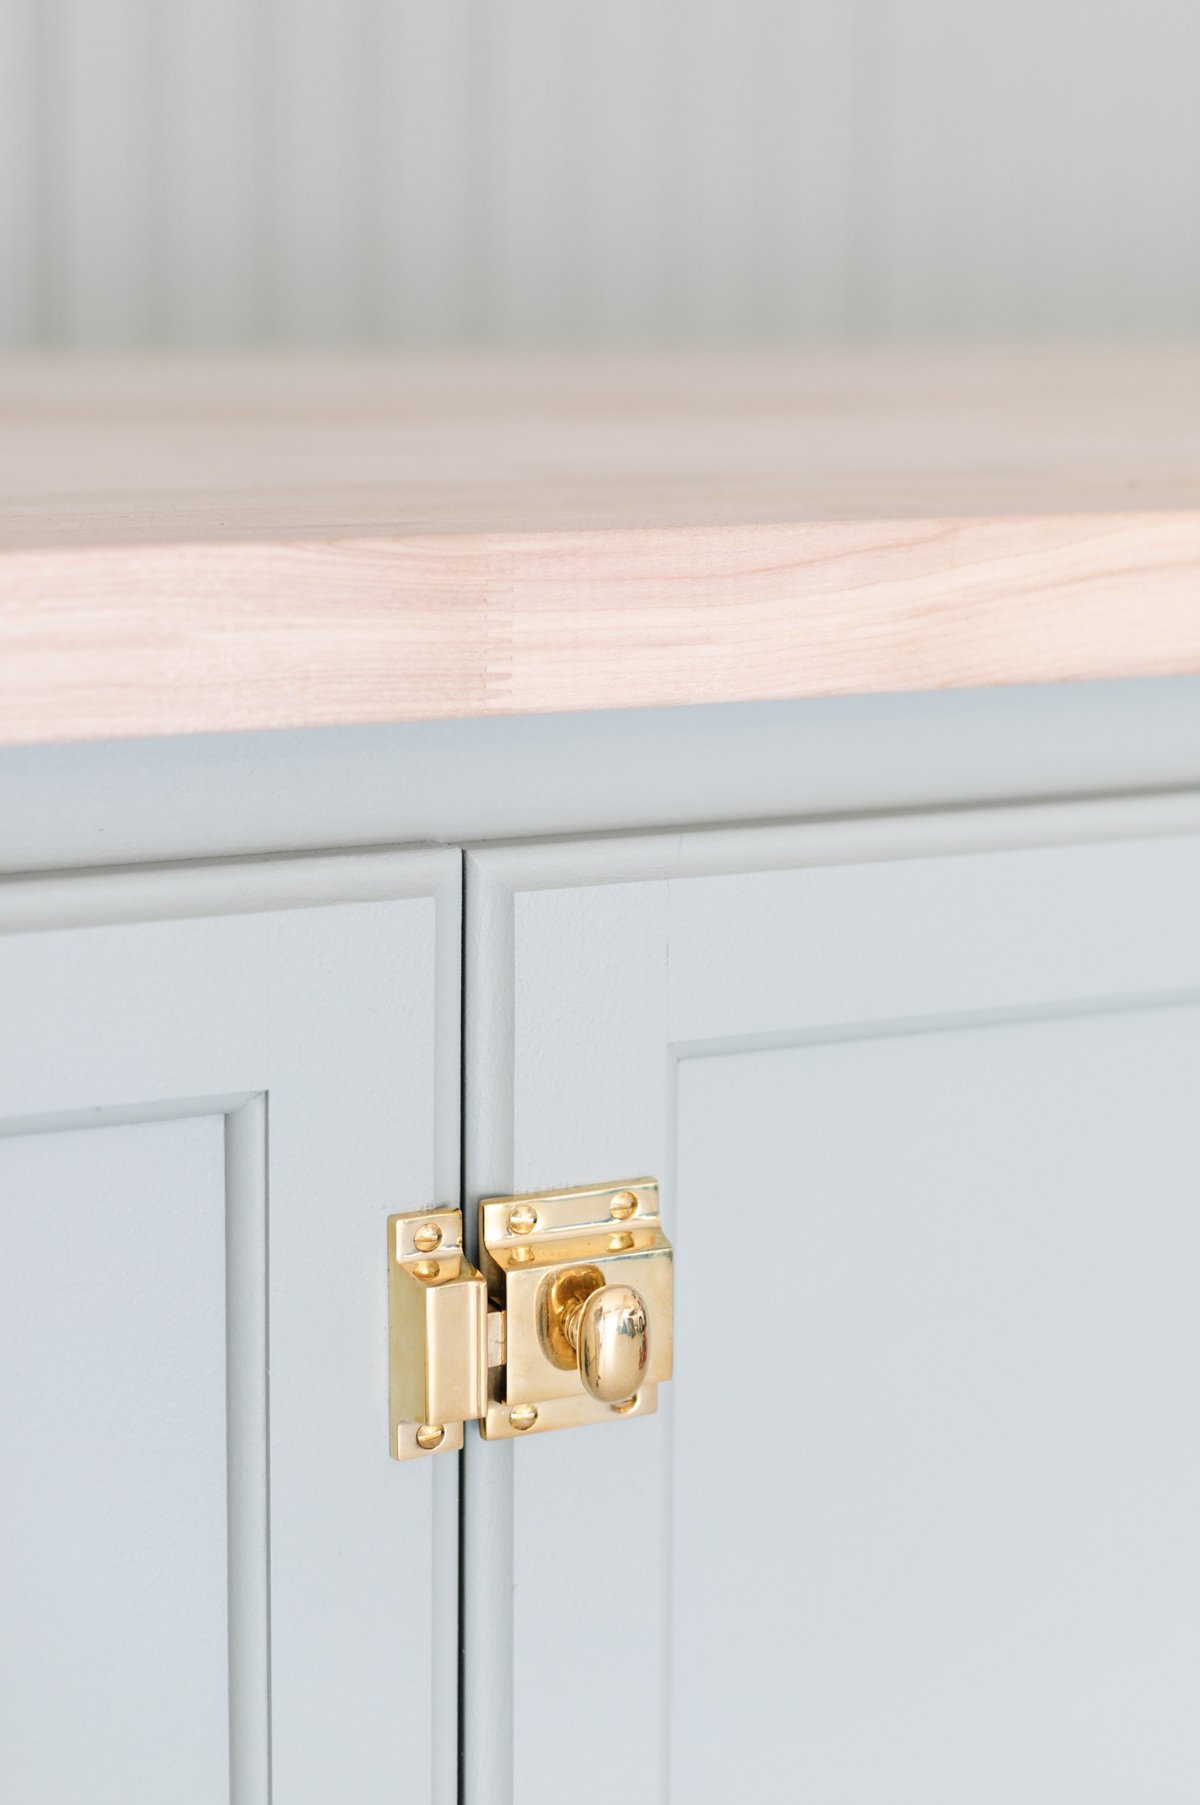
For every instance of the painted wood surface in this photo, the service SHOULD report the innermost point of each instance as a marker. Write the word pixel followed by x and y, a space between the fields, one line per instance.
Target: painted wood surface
pixel 205 546
pixel 222 795
pixel 925 1079
pixel 214 1086
pixel 117 1682
pixel 279 169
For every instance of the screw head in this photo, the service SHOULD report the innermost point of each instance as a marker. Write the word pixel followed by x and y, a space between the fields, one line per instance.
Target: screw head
pixel 427 1237
pixel 523 1416
pixel 623 1206
pixel 431 1436
pixel 427 1269
pixel 522 1219
pixel 620 1243
pixel 521 1256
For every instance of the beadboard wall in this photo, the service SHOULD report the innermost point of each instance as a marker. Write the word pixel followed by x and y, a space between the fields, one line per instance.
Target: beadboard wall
pixel 225 171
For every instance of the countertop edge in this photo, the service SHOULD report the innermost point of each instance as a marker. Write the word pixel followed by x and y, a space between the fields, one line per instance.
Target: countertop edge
pixel 143 640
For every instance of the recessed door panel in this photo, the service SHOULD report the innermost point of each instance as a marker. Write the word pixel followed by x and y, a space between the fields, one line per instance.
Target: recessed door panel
pixel 112 1426
pixel 939 1518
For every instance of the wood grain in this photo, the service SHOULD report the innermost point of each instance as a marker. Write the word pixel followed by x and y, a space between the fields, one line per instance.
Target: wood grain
pixel 205 544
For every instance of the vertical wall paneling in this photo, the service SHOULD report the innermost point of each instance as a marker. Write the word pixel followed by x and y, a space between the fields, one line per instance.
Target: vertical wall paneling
pixel 209 114
pixel 346 170
pixel 971 230
pixel 425 123
pixel 1129 166
pixel 530 217
pixel 100 179
pixel 801 201
pixel 1040 168
pixel 619 125
pixel 710 150
pixel 320 176
pixel 19 172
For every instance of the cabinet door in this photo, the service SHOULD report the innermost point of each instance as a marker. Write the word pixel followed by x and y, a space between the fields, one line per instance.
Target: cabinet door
pixel 917 1518
pixel 214 1085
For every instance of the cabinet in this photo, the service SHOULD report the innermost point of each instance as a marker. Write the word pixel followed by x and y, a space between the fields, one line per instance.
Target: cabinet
pixel 915 1516
pixel 910 1041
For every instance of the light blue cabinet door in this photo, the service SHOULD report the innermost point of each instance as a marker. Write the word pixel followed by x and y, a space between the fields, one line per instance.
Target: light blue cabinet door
pixel 215 1084
pixel 916 1521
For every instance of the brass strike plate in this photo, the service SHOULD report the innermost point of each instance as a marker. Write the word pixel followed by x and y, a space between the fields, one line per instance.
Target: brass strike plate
pixel 545 1254
pixel 437 1311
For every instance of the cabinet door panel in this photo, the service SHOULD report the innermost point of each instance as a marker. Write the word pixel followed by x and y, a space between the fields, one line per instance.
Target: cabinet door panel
pixel 949 1471
pixel 112 1422
pixel 914 1517
pixel 288 1033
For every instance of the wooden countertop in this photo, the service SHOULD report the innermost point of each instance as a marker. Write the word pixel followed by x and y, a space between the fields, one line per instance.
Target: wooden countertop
pixel 216 543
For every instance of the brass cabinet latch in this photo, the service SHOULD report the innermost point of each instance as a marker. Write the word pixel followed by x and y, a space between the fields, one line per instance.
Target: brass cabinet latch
pixel 437 1309
pixel 570 1321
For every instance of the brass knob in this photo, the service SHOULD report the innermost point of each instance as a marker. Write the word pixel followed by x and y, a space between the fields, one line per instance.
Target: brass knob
pixel 610 1334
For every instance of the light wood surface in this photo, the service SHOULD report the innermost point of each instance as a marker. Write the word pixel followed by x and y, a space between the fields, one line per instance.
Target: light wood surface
pixel 215 543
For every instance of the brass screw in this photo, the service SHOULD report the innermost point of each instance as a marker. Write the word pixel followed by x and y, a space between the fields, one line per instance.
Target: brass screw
pixel 623 1206
pixel 620 1243
pixel 430 1436
pixel 522 1219
pixel 427 1237
pixel 521 1256
pixel 523 1416
pixel 427 1269
pixel 624 1408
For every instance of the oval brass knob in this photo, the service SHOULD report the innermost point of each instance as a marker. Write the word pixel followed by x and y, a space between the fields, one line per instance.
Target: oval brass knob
pixel 610 1333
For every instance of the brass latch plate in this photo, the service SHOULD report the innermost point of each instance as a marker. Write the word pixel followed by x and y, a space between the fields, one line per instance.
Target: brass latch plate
pixel 437 1308
pixel 543 1254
